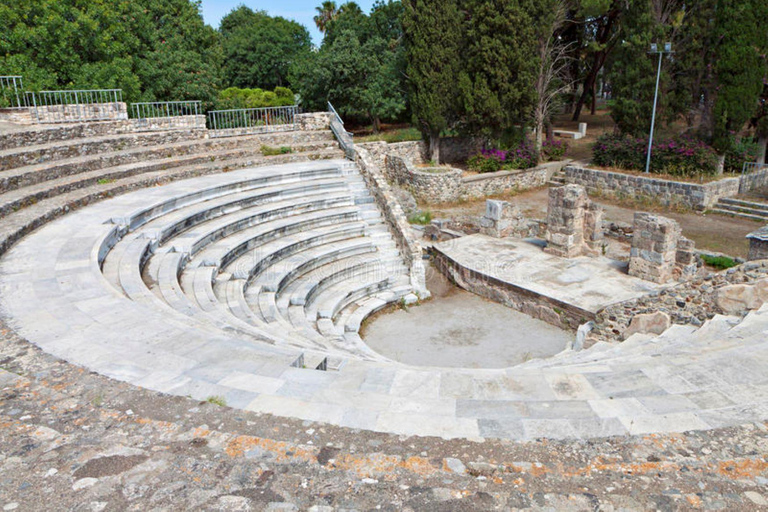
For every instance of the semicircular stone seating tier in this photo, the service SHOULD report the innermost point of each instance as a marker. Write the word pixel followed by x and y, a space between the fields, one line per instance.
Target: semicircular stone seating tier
pixel 252 285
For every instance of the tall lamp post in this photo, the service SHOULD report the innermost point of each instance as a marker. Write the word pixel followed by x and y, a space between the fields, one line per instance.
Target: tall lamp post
pixel 656 49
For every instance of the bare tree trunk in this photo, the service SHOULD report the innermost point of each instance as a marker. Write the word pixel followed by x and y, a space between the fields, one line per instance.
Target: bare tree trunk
pixel 762 142
pixel 434 146
pixel 376 124
pixel 539 135
pixel 594 98
pixel 720 164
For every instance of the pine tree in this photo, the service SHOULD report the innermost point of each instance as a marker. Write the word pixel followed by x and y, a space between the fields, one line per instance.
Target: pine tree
pixel 432 31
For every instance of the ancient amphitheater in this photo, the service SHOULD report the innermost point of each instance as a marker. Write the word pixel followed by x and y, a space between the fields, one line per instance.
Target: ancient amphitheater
pixel 169 269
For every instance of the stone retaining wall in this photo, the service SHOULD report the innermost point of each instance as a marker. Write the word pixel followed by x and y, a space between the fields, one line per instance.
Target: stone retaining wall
pixel 415 151
pixel 669 193
pixel 409 247
pixel 154 124
pixel 16 115
pixel 113 111
pixel 552 311
pixel 494 183
pixel 693 302
pixel 428 185
pixel 313 121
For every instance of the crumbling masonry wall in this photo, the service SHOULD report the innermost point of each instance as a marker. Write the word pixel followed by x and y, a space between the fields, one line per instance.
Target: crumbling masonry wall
pixel 659 252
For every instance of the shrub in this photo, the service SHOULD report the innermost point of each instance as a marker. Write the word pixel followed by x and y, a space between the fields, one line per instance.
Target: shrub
pixel 234 97
pixel 678 156
pixel 270 151
pixel 741 151
pixel 422 218
pixel 523 156
pixel 719 262
pixel 553 149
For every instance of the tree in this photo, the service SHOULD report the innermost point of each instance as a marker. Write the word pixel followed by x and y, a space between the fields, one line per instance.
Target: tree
pixel 325 14
pixel 600 21
pixel 739 68
pixel 360 79
pixel 553 78
pixel 433 40
pixel 259 49
pixel 152 49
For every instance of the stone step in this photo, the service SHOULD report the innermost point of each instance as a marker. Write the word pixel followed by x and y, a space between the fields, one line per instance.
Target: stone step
pixel 755 217
pixel 279 215
pixel 19 198
pixel 274 240
pixel 18 224
pixel 745 204
pixel 58 150
pixel 147 158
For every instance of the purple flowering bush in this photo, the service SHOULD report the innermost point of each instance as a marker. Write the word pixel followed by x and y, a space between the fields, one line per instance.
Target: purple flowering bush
pixel 553 150
pixel 677 156
pixel 523 156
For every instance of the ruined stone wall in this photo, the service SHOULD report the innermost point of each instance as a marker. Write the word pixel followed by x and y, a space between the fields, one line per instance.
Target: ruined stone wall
pixel 753 181
pixel 669 193
pixel 154 124
pixel 690 303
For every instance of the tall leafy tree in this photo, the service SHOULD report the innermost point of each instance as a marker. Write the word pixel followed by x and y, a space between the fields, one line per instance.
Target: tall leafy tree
pixel 325 14
pixel 433 41
pixel 259 49
pixel 739 67
pixel 500 63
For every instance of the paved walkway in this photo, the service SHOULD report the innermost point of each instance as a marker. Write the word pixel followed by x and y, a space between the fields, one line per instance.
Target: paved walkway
pixel 54 295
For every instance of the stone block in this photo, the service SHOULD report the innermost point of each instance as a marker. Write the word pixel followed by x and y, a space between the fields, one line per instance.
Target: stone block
pixel 574 224
pixel 649 323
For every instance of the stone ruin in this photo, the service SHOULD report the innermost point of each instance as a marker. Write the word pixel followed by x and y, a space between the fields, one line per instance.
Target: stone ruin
pixel 659 251
pixel 574 223
pixel 503 219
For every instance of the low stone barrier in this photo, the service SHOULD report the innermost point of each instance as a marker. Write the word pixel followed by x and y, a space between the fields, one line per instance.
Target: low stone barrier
pixel 690 303
pixel 554 312
pixel 393 214
pixel 755 180
pixel 669 193
pixel 111 111
pixel 493 183
pixel 428 185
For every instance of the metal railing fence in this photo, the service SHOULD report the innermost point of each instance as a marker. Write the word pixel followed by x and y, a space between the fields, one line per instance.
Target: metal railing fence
pixel 342 135
pixel 230 123
pixel 12 92
pixel 76 105
pixel 753 167
pixel 158 109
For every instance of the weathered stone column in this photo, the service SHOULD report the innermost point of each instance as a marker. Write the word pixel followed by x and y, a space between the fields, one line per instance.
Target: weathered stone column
pixel 654 248
pixel 574 223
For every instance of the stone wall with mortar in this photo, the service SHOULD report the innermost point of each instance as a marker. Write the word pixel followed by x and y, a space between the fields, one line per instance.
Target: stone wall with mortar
pixel 409 247
pixel 494 183
pixel 113 111
pixel 168 123
pixel 313 121
pixel 552 311
pixel 428 185
pixel 16 115
pixel 690 303
pixel 669 193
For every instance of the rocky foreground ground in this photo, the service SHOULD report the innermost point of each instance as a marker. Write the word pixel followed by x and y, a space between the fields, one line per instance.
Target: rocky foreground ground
pixel 73 440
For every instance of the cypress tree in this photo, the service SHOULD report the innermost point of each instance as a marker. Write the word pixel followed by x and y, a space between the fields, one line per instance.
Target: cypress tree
pixel 432 32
